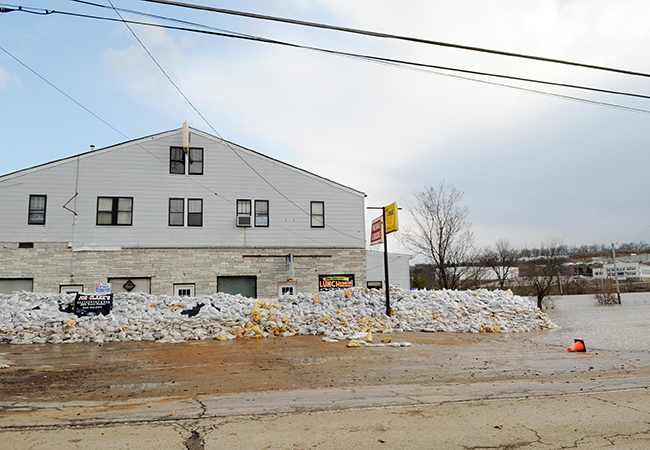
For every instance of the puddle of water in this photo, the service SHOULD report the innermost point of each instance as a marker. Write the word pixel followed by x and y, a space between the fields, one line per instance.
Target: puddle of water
pixel 624 327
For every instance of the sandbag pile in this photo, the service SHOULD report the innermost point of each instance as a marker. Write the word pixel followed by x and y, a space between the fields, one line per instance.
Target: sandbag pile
pixel 27 318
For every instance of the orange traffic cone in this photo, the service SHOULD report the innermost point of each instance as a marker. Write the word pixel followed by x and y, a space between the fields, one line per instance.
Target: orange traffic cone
pixel 578 346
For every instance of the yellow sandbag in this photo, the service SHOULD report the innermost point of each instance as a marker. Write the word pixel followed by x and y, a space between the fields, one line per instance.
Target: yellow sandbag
pixel 354 344
pixel 369 337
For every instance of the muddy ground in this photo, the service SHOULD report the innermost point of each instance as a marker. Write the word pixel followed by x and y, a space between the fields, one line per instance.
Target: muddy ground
pixel 128 370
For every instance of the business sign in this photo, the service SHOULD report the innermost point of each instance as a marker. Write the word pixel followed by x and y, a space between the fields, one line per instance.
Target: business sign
pixel 331 282
pixel 92 304
pixel 376 232
pixel 392 223
pixel 102 288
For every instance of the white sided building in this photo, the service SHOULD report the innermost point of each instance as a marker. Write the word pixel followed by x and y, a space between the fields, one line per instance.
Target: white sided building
pixel 180 212
pixel 625 270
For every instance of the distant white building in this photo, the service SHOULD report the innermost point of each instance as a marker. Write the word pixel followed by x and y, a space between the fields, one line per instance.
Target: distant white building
pixel 398 269
pixel 625 270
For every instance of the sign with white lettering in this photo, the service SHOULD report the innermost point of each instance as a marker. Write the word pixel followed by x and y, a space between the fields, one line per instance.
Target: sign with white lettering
pixel 92 304
pixel 376 231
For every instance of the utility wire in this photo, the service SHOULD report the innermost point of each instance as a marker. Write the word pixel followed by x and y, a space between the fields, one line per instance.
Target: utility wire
pixel 137 143
pixel 395 62
pixel 165 162
pixel 216 132
pixel 391 36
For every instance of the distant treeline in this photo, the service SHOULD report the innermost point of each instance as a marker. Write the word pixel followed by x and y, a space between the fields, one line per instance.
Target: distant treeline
pixel 587 249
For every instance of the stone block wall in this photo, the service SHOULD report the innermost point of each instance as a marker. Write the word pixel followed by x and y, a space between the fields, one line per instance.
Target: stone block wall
pixel 54 264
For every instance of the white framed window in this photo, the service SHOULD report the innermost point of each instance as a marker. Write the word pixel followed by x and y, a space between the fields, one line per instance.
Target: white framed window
pixel 194 212
pixel 184 290
pixel 244 213
pixel 176 212
pixel 261 213
pixel 318 214
pixel 71 288
pixel 37 206
pixel 287 289
pixel 195 157
pixel 178 160
pixel 115 211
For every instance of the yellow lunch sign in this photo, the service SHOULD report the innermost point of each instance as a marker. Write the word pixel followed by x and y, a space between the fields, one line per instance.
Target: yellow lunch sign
pixel 391 221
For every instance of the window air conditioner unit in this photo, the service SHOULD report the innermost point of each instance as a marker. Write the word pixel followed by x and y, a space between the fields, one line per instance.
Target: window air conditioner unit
pixel 244 220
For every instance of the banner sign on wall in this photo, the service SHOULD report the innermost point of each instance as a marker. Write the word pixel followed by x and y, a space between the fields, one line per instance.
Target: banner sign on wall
pixel 92 304
pixel 329 282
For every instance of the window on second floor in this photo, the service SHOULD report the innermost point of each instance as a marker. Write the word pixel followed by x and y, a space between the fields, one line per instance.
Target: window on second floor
pixel 115 211
pixel 37 206
pixel 176 212
pixel 318 214
pixel 196 161
pixel 244 213
pixel 178 160
pixel 194 212
pixel 261 213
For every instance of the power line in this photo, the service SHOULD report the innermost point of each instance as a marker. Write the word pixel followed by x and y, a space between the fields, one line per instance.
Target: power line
pixel 395 63
pixel 391 36
pixel 215 131
pixel 61 92
pixel 165 162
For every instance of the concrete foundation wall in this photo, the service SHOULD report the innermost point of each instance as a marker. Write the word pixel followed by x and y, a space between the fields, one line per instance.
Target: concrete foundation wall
pixel 52 265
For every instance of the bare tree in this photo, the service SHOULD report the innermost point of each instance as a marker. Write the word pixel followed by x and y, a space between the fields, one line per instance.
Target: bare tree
pixel 501 259
pixel 542 271
pixel 441 233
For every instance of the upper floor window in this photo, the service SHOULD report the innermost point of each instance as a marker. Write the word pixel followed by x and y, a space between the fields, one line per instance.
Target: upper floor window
pixel 195 212
pixel 114 210
pixel 318 214
pixel 178 159
pixel 37 205
pixel 177 212
pixel 244 213
pixel 261 213
pixel 196 161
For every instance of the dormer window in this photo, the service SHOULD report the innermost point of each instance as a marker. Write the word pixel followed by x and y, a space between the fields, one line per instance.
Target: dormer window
pixel 179 160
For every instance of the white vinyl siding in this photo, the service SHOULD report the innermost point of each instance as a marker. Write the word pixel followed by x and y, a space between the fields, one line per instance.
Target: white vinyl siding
pixel 140 170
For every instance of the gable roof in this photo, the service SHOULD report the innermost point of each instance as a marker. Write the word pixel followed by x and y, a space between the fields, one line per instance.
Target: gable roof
pixel 234 147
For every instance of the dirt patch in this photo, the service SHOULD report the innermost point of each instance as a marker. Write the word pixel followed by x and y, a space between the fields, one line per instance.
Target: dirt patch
pixel 147 369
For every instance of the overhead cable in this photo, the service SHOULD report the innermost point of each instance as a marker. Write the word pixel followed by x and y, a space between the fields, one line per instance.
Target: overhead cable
pixel 396 63
pixel 392 36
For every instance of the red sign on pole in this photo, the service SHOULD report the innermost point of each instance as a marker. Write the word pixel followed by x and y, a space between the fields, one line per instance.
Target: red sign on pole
pixel 376 231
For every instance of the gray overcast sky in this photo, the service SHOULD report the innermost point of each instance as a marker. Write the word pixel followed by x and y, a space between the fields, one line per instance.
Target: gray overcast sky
pixel 531 166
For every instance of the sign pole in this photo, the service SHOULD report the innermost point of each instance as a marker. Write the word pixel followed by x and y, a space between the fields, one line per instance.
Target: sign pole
pixel 383 228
